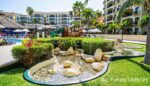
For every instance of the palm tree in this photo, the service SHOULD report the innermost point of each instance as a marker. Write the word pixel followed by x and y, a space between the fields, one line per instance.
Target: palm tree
pixel 89 15
pixel 30 10
pixel 145 10
pixel 77 9
pixel 99 13
pixel 76 24
pixel 113 27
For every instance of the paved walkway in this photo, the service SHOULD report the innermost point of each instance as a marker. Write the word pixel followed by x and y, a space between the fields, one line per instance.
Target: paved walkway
pixel 141 38
pixel 137 42
pixel 5 54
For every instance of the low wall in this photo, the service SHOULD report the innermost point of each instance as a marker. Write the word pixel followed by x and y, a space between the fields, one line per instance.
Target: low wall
pixel 141 38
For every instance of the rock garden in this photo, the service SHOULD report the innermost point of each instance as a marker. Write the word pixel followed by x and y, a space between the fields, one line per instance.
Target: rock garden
pixel 61 61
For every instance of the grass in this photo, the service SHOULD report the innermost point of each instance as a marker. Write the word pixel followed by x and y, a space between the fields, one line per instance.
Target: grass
pixel 126 72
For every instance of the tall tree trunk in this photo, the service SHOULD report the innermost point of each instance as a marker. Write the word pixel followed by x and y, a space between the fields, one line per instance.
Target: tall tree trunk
pixel 147 56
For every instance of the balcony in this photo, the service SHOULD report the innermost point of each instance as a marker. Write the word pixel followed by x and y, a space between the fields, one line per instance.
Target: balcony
pixel 117 1
pixel 109 1
pixel 110 11
pixel 110 18
pixel 137 11
pixel 110 4
pixel 128 12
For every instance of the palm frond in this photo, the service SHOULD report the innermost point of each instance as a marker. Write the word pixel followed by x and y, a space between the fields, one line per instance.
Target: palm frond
pixel 86 2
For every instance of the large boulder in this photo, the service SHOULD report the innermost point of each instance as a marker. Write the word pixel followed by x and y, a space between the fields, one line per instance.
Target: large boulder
pixel 98 55
pixel 89 60
pixel 84 56
pixel 97 66
pixel 105 57
pixel 70 72
pixel 71 51
pixel 77 54
pixel 57 49
pixel 68 64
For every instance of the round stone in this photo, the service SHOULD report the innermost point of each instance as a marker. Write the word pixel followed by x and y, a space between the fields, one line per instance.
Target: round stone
pixel 89 60
pixel 98 55
pixel 70 72
pixel 68 64
pixel 97 66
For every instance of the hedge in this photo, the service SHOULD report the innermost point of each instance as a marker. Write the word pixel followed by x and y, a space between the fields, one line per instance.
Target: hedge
pixel 90 45
pixel 31 56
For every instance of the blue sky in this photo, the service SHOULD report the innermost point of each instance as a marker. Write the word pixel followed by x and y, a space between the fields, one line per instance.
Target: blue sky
pixel 20 6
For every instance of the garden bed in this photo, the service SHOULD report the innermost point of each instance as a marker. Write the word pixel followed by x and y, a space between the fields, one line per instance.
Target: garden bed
pixel 119 70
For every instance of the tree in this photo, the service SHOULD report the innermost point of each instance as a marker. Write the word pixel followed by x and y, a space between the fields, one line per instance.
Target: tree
pixel 113 27
pixel 35 21
pixel 146 10
pixel 77 9
pixel 88 15
pixel 76 24
pixel 101 26
pixel 99 13
pixel 30 10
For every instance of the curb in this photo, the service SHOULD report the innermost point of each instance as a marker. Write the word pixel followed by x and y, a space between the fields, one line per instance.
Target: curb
pixel 105 69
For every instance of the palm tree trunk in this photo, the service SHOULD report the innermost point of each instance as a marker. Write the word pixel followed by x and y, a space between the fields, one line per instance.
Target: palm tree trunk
pixel 147 56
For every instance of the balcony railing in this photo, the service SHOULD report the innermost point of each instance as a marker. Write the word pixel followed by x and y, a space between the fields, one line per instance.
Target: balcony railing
pixel 109 12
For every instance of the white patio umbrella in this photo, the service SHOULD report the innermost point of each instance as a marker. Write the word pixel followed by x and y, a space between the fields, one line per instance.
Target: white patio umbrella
pixel 40 28
pixel 17 30
pixel 25 30
pixel 95 30
pixel 1 26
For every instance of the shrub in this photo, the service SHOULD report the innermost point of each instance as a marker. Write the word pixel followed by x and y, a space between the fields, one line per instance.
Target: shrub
pixel 19 51
pixel 44 40
pixel 144 20
pixel 59 42
pixel 66 43
pixel 90 45
pixel 24 41
pixel 78 42
pixel 55 41
pixel 31 56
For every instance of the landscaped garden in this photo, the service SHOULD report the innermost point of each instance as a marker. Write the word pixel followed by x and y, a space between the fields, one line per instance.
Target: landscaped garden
pixel 129 71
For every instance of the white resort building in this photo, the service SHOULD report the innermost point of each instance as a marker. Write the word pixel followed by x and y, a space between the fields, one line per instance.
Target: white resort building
pixel 133 13
pixel 48 18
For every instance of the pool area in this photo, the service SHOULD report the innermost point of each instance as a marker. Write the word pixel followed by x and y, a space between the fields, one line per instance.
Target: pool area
pixel 14 40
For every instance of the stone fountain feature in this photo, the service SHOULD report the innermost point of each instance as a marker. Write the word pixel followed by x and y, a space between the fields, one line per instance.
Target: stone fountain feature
pixel 68 67
pixel 73 66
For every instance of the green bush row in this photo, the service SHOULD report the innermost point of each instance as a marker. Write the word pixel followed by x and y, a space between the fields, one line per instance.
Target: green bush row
pixel 89 45
pixel 63 43
pixel 31 56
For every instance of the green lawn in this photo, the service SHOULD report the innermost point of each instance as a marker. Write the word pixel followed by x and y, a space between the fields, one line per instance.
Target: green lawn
pixel 126 72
